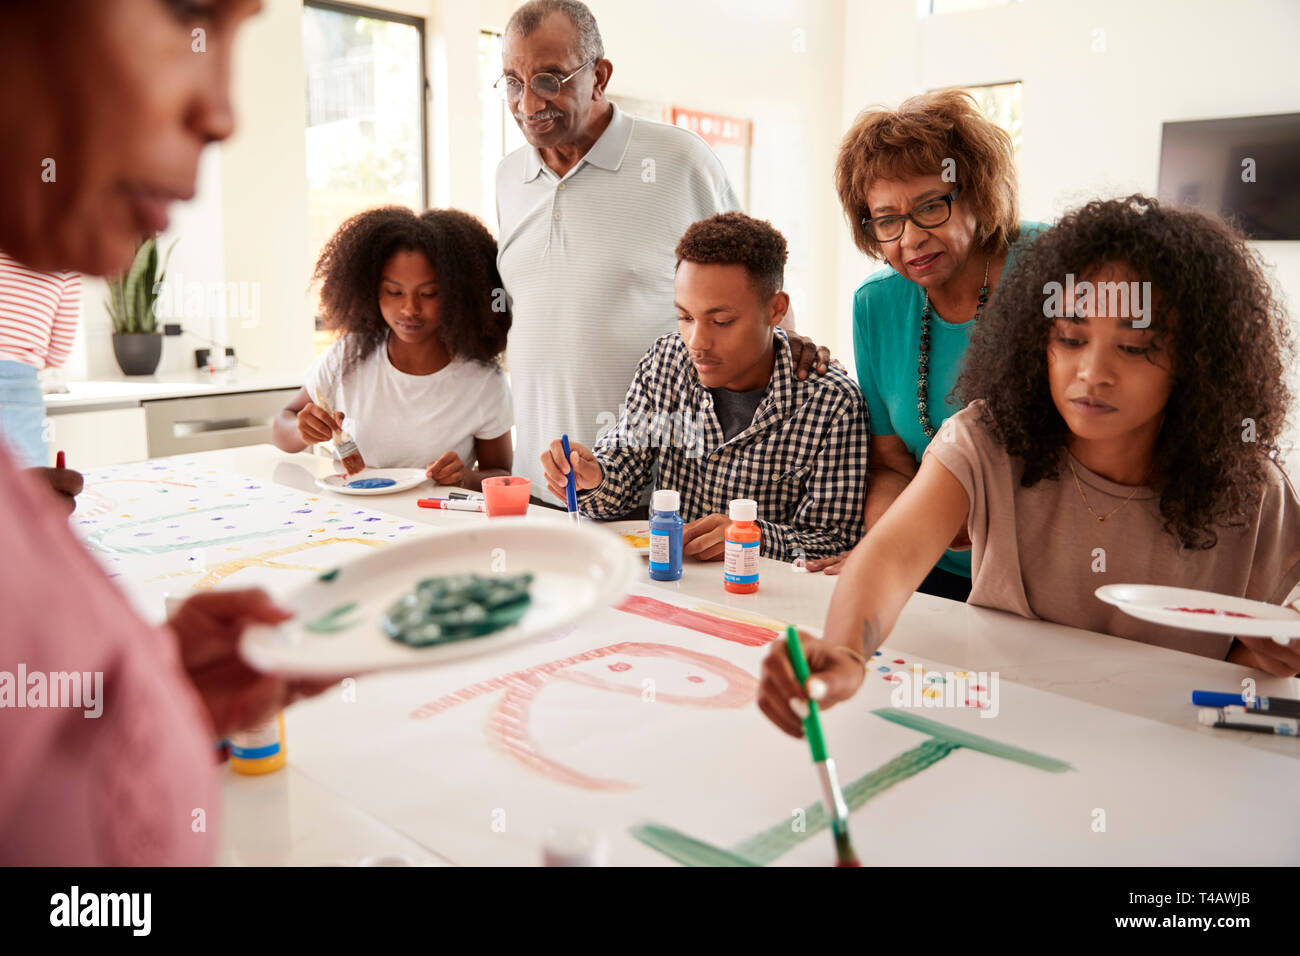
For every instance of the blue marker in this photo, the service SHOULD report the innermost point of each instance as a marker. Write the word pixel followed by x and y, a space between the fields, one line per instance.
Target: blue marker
pixel 665 536
pixel 1274 706
pixel 571 491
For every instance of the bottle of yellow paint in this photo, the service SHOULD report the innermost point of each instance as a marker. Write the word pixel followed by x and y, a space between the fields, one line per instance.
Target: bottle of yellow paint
pixel 260 749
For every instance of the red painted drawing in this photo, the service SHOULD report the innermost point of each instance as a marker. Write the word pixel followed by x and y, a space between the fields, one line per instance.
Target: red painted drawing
pixel 692 679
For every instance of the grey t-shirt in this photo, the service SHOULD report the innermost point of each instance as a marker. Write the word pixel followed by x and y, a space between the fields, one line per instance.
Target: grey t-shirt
pixel 735 410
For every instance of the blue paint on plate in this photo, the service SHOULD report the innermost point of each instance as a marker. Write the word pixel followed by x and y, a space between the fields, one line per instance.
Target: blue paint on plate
pixel 372 483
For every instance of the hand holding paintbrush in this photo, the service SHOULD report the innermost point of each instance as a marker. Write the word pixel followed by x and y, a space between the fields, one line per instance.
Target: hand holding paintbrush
pixel 832 798
pixel 315 427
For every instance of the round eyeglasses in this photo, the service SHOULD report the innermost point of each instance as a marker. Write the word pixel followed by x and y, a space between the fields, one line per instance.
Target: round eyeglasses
pixel 545 85
pixel 931 213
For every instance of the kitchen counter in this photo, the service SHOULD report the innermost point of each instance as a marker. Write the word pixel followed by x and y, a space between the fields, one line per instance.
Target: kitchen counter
pixel 130 391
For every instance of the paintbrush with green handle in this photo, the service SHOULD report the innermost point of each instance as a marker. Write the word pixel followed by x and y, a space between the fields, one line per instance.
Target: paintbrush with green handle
pixel 836 808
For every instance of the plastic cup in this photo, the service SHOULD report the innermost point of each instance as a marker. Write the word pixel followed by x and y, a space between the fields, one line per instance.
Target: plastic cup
pixel 507 495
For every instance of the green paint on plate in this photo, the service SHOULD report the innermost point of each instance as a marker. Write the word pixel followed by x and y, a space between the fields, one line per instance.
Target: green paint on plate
pixel 330 623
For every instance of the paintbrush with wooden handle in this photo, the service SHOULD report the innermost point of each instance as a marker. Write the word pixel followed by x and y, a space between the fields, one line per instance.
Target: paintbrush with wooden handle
pixel 344 446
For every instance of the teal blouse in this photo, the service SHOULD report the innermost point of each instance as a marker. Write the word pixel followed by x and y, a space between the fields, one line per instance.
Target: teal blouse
pixel 886 342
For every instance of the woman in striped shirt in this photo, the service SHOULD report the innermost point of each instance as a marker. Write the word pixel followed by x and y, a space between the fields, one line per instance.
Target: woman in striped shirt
pixel 38 321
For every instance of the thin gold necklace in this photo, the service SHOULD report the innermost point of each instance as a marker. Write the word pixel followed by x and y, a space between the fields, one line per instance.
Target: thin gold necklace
pixel 1070 462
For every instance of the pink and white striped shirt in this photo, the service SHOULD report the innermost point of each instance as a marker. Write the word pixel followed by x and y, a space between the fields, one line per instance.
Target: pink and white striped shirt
pixel 38 314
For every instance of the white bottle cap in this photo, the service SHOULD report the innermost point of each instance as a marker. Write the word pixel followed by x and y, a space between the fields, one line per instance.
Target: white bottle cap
pixel 744 509
pixel 665 500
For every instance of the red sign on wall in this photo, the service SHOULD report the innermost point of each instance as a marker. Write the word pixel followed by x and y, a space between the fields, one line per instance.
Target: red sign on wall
pixel 713 128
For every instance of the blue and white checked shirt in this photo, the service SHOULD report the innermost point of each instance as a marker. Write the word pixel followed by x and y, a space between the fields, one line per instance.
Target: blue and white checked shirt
pixel 803 458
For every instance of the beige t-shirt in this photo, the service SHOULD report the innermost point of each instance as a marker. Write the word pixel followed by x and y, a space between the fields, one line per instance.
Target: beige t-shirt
pixel 1039 553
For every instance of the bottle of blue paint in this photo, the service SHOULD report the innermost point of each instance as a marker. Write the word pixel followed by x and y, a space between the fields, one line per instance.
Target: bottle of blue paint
pixel 665 536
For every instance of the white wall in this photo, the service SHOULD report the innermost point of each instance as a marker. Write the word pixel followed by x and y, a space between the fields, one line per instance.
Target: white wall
pixel 198 257
pixel 1091 119
pixel 744 58
pixel 264 191
pixel 1092 123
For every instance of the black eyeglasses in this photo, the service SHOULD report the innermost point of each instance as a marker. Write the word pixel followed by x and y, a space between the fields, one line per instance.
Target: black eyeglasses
pixel 545 85
pixel 931 213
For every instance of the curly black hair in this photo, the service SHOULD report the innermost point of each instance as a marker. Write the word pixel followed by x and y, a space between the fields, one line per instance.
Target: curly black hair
pixel 473 312
pixel 734 239
pixel 1214 313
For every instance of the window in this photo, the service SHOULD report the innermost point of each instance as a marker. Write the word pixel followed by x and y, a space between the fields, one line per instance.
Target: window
pixel 500 132
pixel 1001 105
pixel 366 114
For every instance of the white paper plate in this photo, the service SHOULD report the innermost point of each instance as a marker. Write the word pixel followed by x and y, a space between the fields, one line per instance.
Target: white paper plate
pixel 627 530
pixel 405 479
pixel 1160 605
pixel 575 570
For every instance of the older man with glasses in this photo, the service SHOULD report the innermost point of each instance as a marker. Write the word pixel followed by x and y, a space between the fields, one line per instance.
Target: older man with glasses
pixel 589 212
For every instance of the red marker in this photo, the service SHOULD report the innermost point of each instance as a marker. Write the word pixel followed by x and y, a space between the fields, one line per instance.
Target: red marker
pixel 450 504
pixel 61 460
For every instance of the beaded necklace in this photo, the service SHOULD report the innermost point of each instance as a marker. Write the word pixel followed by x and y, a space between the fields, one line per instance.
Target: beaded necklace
pixel 923 360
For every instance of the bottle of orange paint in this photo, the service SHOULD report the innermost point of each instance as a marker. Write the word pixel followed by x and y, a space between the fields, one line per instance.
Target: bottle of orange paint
pixel 742 537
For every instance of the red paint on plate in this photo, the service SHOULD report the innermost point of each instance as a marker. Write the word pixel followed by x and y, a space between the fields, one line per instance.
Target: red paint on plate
pixel 1209 610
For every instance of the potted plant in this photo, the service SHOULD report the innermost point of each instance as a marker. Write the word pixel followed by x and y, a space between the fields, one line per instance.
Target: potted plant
pixel 137 342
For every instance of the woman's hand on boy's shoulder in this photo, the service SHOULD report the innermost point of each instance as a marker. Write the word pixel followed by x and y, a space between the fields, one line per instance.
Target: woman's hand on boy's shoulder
pixel 806 355
pixel 1264 653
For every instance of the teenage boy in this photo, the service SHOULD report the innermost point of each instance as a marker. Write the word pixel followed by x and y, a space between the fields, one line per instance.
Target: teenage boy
pixel 715 412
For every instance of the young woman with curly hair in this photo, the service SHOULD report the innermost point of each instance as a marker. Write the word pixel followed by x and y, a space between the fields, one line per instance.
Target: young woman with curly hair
pixel 424 319
pixel 930 188
pixel 1117 433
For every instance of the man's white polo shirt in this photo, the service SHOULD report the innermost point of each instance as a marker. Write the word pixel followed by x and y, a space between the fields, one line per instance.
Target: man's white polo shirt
pixel 587 262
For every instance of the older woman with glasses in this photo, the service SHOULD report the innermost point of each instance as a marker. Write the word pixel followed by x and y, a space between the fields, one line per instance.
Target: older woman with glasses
pixel 931 189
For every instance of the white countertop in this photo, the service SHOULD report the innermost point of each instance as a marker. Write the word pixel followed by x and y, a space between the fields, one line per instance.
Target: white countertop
pixel 128 390
pixel 288 818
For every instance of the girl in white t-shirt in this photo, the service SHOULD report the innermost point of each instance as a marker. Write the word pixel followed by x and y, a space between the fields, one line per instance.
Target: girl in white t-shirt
pixel 415 373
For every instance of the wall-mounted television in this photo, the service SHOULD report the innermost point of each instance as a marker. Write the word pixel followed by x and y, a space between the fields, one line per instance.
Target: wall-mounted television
pixel 1246 169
